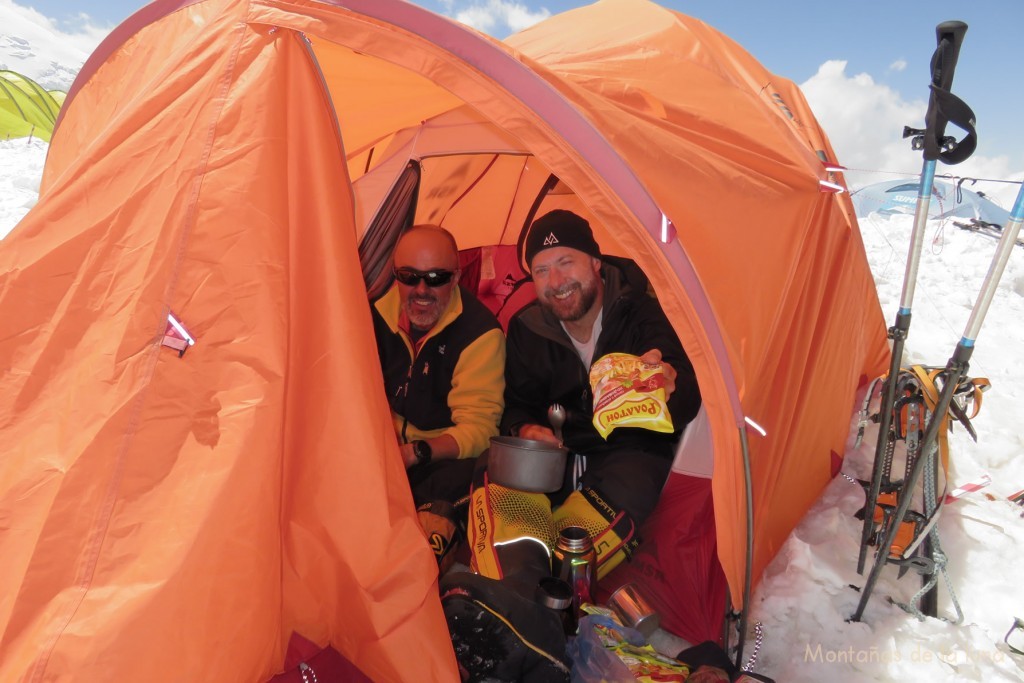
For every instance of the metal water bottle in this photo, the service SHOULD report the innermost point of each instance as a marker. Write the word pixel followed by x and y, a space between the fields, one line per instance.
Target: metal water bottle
pixel 575 562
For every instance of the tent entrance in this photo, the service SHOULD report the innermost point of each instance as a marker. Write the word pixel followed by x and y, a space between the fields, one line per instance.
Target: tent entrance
pixel 473 177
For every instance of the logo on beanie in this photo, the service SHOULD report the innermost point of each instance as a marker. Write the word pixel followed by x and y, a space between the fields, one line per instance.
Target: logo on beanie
pixel 560 228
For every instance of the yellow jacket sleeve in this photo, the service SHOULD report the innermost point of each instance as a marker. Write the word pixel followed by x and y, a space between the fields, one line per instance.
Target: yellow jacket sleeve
pixel 477 395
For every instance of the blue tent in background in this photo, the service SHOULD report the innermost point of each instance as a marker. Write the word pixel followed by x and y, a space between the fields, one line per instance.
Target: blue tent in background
pixel 900 197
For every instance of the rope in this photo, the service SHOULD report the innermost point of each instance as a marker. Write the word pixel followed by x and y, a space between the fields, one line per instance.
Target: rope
pixel 1018 624
pixel 758 640
pixel 937 239
pixel 303 668
pixel 940 559
pixel 944 176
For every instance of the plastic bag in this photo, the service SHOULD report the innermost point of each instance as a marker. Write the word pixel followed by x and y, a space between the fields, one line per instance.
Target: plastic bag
pixel 629 392
pixel 605 651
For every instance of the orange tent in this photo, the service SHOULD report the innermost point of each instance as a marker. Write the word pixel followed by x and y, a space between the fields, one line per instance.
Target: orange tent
pixel 231 164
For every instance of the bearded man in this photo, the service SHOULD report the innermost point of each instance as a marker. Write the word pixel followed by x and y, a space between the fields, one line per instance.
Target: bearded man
pixel 587 306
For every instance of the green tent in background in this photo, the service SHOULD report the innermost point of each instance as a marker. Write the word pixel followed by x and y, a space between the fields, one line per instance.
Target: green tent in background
pixel 26 108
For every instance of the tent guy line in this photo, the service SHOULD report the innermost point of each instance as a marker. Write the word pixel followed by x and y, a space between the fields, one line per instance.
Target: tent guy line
pixel 943 176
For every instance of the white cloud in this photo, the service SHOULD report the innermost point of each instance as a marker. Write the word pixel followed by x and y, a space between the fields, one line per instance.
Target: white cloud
pixel 497 17
pixel 898 65
pixel 26 12
pixel 864 121
pixel 84 34
pixel 37 46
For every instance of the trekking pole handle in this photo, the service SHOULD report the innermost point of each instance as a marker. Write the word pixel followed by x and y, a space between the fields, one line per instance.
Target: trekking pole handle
pixel 942 104
pixel 949 36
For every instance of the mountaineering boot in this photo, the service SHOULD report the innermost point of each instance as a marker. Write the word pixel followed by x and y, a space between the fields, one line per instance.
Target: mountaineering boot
pixel 506 524
pixel 499 635
pixel 612 530
pixel 440 522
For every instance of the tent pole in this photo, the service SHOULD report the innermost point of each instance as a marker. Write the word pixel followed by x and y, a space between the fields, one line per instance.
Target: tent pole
pixel 727 620
pixel 747 577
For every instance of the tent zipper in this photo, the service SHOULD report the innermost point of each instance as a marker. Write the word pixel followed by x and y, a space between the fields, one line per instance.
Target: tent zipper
pixel 325 91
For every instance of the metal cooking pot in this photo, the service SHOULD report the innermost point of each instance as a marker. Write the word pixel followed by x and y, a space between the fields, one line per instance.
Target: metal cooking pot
pixel 525 464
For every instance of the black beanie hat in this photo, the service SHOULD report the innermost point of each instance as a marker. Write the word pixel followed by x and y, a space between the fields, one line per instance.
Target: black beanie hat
pixel 560 228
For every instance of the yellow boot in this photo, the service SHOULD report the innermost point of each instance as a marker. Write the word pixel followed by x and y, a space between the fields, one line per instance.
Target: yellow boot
pixel 613 531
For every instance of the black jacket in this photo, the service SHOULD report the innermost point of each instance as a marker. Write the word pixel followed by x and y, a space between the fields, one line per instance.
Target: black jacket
pixel 452 384
pixel 542 366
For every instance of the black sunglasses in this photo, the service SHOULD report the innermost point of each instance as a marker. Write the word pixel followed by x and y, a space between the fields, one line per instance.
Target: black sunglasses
pixel 433 278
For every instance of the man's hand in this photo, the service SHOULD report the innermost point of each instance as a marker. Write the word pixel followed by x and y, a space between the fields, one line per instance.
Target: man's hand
pixel 441 448
pixel 538 433
pixel 654 356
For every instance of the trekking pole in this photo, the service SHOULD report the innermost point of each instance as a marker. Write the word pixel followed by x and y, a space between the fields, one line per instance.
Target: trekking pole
pixel 956 370
pixel 943 107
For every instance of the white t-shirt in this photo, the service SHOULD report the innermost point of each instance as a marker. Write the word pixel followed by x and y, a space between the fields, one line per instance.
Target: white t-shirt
pixel 586 351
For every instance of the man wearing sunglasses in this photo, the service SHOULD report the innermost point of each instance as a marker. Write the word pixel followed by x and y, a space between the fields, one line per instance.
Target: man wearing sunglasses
pixel 443 355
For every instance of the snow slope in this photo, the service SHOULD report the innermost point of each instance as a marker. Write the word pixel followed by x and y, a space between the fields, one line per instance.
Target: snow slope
pixel 21 170
pixel 806 595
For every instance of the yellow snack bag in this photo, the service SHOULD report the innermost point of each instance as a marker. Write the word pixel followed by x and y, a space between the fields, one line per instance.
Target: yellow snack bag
pixel 629 393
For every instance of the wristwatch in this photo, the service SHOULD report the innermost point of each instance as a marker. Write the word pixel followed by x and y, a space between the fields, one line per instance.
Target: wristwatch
pixel 421 449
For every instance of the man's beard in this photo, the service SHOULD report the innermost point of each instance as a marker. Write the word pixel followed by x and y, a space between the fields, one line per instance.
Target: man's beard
pixel 575 307
pixel 419 318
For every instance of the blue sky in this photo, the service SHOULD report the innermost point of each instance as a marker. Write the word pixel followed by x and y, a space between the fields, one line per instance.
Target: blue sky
pixel 886 46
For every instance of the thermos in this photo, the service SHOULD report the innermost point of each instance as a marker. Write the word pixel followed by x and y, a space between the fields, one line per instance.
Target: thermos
pixel 575 562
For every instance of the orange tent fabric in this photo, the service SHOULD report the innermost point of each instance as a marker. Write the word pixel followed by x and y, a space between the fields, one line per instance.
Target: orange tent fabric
pixel 220 160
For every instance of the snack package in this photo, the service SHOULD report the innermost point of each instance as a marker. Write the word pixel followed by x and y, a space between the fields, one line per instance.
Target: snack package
pixel 606 652
pixel 629 393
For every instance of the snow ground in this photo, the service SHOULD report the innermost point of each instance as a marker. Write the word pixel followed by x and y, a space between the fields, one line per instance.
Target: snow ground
pixel 21 170
pixel 806 597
